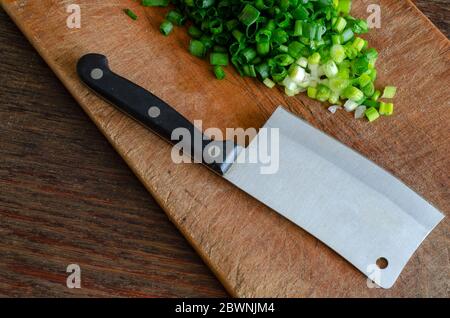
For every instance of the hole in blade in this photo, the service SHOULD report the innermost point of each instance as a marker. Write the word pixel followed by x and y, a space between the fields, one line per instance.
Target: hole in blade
pixel 382 263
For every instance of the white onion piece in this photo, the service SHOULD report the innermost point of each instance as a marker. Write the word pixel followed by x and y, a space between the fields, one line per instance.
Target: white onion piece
pixel 320 71
pixel 307 77
pixel 314 70
pixel 289 83
pixel 350 105
pixel 298 75
pixel 333 109
pixel 360 111
pixel 330 69
pixel 313 82
pixel 302 61
pixel 290 92
pixel 304 84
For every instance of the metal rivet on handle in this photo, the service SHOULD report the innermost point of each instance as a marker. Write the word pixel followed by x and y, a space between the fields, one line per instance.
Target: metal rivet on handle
pixel 96 74
pixel 154 112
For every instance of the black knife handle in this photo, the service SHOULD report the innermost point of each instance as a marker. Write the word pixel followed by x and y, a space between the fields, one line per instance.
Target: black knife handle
pixel 155 114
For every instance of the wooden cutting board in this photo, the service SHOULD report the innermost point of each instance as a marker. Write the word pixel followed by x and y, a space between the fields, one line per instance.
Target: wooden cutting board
pixel 252 250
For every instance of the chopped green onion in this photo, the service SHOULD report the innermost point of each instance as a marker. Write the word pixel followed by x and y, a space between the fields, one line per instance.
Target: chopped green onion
pixel 373 74
pixel 238 35
pixel 131 14
pixel 359 26
pixel 155 3
pixel 376 95
pixel 263 42
pixel 338 84
pixel 303 62
pixel 269 83
pixel 283 20
pixel 312 92
pixel 278 73
pixel 295 49
pixel 323 93
pixel 298 28
pixel 263 70
pixel 249 70
pixel 350 105
pixel 284 59
pixel 264 4
pixel 363 80
pixel 300 13
pixel 215 27
pixel 197 48
pixel 248 54
pixel 368 90
pixel 297 73
pixel 337 53
pixel 219 72
pixel 371 103
pixel 220 49
pixel 282 49
pixel 389 92
pixel 194 32
pixel 280 36
pixel 290 92
pixel 358 44
pixel 218 58
pixel 339 25
pixel 314 59
pixel 207 41
pixel 360 65
pixel 302 45
pixel 353 93
pixel 263 48
pixel 386 109
pixel 336 39
pixel 334 98
pixel 204 3
pixel 175 17
pixel 344 6
pixel 330 69
pixel 166 27
pixel 249 15
pixel 372 114
pixel 372 54
pixel 271 25
pixel 231 24
pixel 347 35
pixel 289 83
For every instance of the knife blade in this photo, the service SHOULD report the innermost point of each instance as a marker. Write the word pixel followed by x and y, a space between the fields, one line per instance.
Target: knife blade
pixel 355 207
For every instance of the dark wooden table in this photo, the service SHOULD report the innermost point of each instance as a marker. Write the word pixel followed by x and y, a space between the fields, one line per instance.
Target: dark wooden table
pixel 67 198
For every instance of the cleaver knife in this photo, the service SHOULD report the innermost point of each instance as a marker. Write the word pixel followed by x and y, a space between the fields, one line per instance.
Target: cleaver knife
pixel 358 209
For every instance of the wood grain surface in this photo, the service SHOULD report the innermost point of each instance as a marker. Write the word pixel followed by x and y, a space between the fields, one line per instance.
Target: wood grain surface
pixel 66 199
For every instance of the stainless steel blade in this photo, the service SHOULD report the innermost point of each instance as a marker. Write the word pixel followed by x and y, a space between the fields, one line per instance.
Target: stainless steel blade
pixel 346 201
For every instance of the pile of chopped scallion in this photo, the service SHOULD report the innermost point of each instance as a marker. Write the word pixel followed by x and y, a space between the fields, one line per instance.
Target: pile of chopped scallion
pixel 307 46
